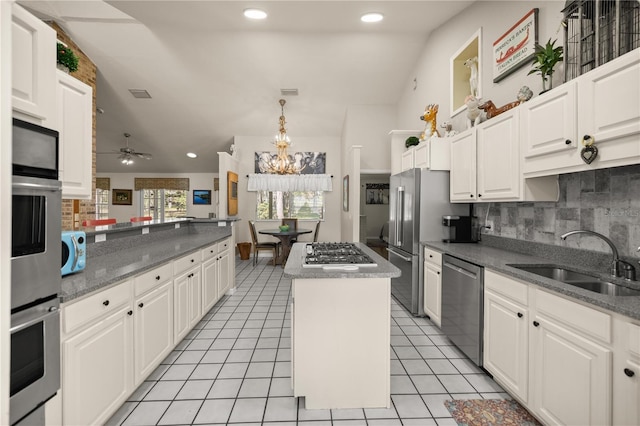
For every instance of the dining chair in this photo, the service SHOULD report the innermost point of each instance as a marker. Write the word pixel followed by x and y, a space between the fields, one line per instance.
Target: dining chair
pixel 141 219
pixel 264 245
pixel 98 222
pixel 293 223
pixel 315 233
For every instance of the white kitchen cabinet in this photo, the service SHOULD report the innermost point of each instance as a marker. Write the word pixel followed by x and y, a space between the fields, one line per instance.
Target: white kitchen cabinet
pixel 498 158
pixel 33 60
pixel 602 103
pixel 398 148
pixel 97 368
pixel 485 165
pixel 187 301
pixel 571 356
pixel 152 329
pixel 462 180
pixel 506 325
pixel 433 285
pixel 225 278
pixel 433 154
pixel 210 293
pixel 75 124
pixel 626 373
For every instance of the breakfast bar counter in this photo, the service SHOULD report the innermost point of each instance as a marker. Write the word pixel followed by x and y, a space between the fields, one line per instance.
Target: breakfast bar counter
pixel 341 333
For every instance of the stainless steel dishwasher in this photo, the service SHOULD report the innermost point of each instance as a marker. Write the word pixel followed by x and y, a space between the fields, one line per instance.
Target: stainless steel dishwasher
pixel 462 305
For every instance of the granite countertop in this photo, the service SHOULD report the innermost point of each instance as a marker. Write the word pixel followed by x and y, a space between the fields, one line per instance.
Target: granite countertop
pixel 294 269
pixel 107 269
pixel 128 226
pixel 497 259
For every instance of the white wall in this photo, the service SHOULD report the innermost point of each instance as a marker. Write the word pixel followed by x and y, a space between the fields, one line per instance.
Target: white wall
pixel 369 126
pixel 247 146
pixel 432 68
pixel 125 181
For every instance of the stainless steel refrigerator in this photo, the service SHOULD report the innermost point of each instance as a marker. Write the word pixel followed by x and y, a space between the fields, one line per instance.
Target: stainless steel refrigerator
pixel 417 201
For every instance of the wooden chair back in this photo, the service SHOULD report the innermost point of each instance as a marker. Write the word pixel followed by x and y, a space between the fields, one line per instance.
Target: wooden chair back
pixel 316 232
pixel 293 223
pixel 252 229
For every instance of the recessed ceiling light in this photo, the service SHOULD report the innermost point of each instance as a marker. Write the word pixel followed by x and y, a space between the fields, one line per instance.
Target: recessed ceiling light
pixel 255 14
pixel 372 17
pixel 192 154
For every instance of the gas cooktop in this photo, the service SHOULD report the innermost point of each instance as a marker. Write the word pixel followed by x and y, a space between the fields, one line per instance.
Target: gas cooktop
pixel 338 255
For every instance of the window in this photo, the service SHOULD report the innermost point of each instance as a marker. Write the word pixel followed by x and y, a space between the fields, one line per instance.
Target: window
pixel 163 204
pixel 300 205
pixel 102 203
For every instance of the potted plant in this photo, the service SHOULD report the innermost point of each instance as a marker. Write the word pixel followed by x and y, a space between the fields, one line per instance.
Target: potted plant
pixel 66 58
pixel 411 141
pixel 546 58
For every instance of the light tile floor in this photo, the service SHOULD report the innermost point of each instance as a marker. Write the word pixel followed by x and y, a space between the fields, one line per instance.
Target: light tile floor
pixel 235 368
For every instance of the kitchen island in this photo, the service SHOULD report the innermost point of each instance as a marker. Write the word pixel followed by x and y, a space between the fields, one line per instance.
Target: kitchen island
pixel 340 335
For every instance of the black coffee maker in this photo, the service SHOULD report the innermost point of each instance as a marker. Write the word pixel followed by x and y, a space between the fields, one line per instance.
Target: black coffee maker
pixel 460 229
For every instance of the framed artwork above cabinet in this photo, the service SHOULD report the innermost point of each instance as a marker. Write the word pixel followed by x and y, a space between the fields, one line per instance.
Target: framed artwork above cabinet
pixel 465 73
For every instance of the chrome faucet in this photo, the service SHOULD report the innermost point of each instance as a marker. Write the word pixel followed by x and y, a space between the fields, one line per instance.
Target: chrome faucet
pixel 616 259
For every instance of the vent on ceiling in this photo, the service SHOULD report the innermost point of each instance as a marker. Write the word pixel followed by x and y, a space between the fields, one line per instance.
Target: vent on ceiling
pixel 140 93
pixel 289 92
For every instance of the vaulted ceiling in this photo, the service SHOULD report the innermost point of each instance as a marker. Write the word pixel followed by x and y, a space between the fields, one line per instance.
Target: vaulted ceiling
pixel 213 74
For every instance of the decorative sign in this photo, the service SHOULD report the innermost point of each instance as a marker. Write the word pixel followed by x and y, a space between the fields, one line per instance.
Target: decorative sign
pixel 232 194
pixel 516 47
pixel 377 193
pixel 311 163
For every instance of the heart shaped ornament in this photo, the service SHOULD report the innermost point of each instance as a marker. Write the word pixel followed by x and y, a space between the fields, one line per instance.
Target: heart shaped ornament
pixel 589 153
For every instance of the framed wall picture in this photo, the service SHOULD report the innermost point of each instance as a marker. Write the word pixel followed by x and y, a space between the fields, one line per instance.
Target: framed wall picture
pixel 201 196
pixel 377 193
pixel 345 193
pixel 121 197
pixel 516 47
pixel 232 194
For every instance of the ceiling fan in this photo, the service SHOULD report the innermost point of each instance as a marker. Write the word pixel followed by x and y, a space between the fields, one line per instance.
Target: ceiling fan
pixel 127 154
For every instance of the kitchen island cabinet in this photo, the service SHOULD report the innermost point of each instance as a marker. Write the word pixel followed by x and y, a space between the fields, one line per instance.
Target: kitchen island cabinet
pixel 340 333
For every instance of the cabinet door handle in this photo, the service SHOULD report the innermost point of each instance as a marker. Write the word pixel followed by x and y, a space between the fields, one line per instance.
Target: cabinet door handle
pixel 130 313
pixel 520 315
pixel 536 323
pixel 105 303
pixel 157 277
pixel 140 305
pixel 567 142
pixel 629 373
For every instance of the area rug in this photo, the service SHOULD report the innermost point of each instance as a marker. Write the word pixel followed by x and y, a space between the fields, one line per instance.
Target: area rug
pixel 485 412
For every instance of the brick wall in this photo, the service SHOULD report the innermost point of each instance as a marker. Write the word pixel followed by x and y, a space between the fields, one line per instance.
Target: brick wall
pixel 87 74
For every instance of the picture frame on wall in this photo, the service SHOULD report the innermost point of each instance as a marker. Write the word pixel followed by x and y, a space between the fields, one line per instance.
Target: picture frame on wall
pixel 232 193
pixel 201 196
pixel 377 193
pixel 121 197
pixel 516 47
pixel 345 193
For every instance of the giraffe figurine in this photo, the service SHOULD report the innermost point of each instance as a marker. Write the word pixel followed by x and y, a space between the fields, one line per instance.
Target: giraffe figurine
pixel 430 126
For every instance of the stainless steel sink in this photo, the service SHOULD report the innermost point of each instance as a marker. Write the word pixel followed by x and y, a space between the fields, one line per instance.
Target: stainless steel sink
pixel 578 279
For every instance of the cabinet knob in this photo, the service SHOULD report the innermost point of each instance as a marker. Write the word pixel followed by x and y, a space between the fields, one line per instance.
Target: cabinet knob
pixel 471 195
pixel 520 315
pixel 567 142
pixel 211 251
pixel 192 260
pixel 105 303
pixel 536 323
pixel 157 277
pixel 438 272
pixel 479 195
pixel 430 255
pixel 628 372
pixel 140 305
pixel 130 313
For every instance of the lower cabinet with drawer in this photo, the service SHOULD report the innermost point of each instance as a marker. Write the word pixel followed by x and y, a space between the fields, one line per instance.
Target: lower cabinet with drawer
pixel 433 285
pixel 551 353
pixel 97 356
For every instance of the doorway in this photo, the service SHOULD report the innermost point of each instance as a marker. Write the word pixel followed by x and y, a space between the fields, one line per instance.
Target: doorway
pixel 374 211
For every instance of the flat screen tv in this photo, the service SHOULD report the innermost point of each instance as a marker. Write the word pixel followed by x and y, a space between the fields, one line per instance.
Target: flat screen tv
pixel 201 196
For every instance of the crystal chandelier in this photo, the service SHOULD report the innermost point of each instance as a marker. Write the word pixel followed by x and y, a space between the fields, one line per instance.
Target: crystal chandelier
pixel 282 163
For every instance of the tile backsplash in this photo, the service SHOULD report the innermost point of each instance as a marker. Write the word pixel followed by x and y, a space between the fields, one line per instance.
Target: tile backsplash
pixel 606 201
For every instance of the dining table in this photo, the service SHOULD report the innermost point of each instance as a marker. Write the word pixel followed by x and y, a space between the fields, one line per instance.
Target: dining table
pixel 286 237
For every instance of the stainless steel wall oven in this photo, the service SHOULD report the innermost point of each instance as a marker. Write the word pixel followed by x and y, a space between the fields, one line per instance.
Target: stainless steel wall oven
pixel 35 272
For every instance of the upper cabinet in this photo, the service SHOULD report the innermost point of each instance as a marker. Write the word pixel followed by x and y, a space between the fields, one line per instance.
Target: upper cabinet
pixel 485 165
pixel 433 154
pixel 75 124
pixel 602 105
pixel 33 68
